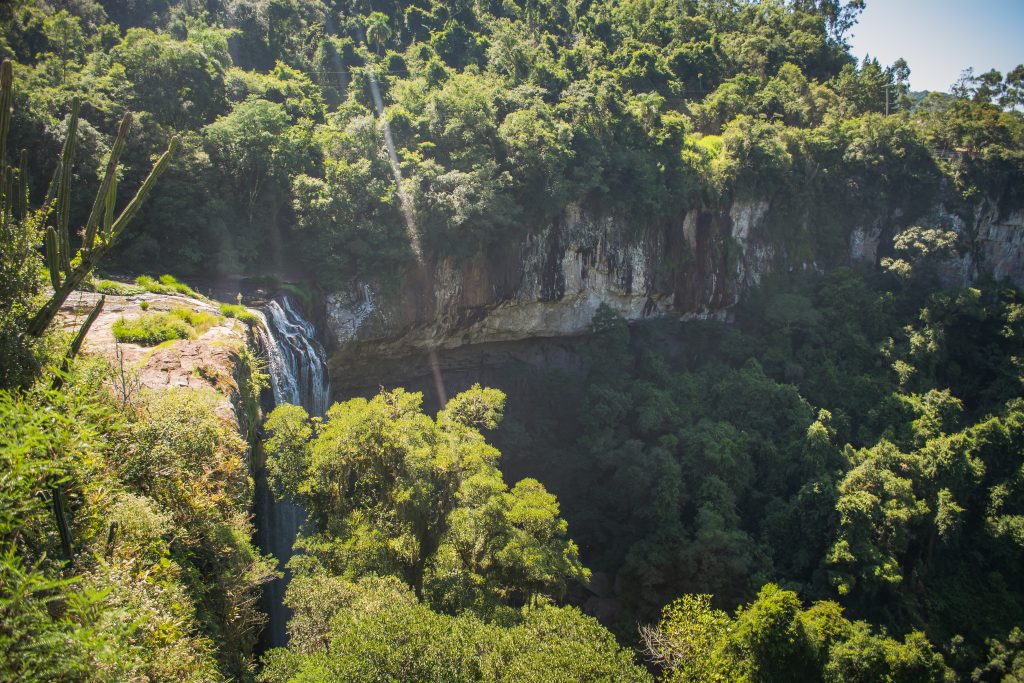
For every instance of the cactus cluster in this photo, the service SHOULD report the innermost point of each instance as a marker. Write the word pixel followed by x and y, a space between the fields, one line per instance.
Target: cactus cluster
pixel 104 224
pixel 66 271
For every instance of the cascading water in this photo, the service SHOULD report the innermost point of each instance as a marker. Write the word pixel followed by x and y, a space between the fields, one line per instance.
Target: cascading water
pixel 298 375
pixel 298 372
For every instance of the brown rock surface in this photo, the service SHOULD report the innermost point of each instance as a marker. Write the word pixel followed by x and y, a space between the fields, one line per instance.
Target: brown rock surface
pixel 208 361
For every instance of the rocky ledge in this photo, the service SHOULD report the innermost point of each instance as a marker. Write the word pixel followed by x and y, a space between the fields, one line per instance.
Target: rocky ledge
pixel 208 361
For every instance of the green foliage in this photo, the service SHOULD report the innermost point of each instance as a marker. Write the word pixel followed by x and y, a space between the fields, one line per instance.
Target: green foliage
pixel 35 645
pixel 919 248
pixel 239 312
pixel 678 475
pixel 21 286
pixel 180 82
pixel 67 269
pixel 391 491
pixel 22 225
pixel 167 284
pixel 775 639
pixel 688 457
pixel 375 629
pixel 1006 660
pixel 683 644
pixel 417 554
pixel 114 288
pixel 183 457
pixel 150 329
pixel 165 577
pixel 503 116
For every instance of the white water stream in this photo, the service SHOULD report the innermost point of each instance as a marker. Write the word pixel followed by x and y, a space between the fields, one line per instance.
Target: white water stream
pixel 298 375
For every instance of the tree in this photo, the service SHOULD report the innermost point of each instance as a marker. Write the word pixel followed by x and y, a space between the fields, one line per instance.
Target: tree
pixel 252 148
pixel 768 642
pixel 684 643
pixel 878 509
pixel 67 269
pixel 775 639
pixel 1005 660
pixel 178 82
pixel 378 30
pixel 391 491
pixel 374 629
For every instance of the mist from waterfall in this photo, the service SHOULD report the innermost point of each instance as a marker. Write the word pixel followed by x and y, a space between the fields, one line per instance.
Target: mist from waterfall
pixel 297 366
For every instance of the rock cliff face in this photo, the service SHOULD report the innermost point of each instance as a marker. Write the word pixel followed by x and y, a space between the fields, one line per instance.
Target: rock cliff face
pixel 551 282
pixel 991 244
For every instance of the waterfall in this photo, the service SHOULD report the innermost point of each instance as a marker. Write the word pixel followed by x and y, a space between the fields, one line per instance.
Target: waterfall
pixel 298 371
pixel 298 375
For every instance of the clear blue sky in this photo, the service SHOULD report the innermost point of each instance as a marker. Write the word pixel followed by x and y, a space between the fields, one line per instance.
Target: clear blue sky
pixel 940 38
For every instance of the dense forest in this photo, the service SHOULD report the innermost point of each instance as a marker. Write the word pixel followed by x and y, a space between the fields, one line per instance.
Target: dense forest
pixel 827 484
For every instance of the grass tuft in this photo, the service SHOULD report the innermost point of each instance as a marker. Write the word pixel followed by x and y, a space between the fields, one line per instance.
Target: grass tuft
pixel 151 329
pixel 239 312
pixel 167 284
pixel 113 288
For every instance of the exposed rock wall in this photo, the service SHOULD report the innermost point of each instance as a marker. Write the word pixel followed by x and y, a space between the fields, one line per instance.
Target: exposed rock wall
pixel 550 283
pixel 996 244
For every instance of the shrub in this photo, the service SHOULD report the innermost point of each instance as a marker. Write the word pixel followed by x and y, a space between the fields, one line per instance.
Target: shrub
pixel 41 615
pixel 141 528
pixel 151 329
pixel 301 291
pixel 239 312
pixel 167 284
pixel 192 465
pixel 113 288
pixel 144 305
pixel 200 321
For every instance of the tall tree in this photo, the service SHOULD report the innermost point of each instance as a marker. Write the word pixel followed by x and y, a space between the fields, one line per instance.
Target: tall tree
pixel 391 491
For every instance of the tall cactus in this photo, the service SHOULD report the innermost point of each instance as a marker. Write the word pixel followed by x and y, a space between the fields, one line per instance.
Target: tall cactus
pixel 6 106
pixel 103 226
pixel 100 231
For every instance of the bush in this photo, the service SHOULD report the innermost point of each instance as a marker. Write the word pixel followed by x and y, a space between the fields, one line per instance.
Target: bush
pixel 42 637
pixel 166 580
pixel 166 285
pixel 192 465
pixel 113 288
pixel 151 329
pixel 239 312
pixel 200 321
pixel 375 629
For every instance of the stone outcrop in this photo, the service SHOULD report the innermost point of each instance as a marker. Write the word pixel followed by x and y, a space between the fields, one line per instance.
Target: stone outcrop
pixel 550 283
pixel 995 244
pixel 208 361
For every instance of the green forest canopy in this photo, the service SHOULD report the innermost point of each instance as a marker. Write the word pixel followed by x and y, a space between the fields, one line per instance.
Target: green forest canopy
pixel 502 112
pixel 830 486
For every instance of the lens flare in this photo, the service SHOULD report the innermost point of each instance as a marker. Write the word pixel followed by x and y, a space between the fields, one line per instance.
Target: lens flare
pixel 406 205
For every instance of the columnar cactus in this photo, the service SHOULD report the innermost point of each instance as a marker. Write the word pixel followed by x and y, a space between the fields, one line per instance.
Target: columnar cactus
pixel 68 270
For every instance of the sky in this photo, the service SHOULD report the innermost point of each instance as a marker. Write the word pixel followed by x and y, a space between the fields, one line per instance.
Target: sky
pixel 940 38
